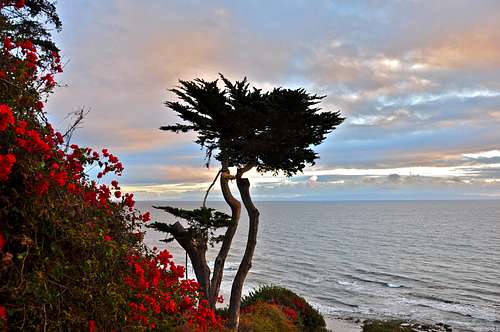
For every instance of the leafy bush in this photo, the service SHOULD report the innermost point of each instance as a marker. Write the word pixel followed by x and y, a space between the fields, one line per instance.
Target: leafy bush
pixel 385 326
pixel 71 257
pixel 308 318
pixel 265 317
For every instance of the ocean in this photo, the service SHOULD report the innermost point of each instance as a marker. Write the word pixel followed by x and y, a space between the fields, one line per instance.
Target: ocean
pixel 429 261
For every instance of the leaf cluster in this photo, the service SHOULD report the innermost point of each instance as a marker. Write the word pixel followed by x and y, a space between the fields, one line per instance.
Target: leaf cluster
pixel 274 131
pixel 202 223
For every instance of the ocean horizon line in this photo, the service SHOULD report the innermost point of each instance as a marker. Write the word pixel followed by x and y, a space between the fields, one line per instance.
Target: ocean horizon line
pixel 332 200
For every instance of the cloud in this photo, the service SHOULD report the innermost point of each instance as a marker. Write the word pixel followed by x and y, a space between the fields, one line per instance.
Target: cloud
pixel 483 154
pixel 417 80
pixel 469 49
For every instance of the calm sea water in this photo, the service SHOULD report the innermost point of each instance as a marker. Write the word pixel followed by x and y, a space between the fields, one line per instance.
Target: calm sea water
pixel 427 261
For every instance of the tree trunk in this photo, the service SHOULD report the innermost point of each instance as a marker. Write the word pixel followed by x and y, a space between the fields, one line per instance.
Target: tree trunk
pixel 246 262
pixel 202 270
pixel 220 260
pixel 196 253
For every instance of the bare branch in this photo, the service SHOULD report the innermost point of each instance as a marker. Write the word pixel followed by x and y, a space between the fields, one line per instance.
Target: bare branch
pixel 208 190
pixel 78 120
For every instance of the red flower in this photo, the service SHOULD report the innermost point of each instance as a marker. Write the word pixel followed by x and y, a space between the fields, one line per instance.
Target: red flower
pixel 107 238
pixel 72 188
pixel 49 80
pixel 19 4
pixel 91 325
pixel 6 163
pixel 27 45
pixel 7 43
pixel 2 241
pixel 6 117
pixel 186 301
pixel 146 217
pixel 118 194
pixel 42 187
pixel 39 105
pixel 3 313
pixel 21 127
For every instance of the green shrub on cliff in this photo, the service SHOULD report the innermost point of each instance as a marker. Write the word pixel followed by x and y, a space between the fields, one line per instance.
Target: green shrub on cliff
pixel 265 317
pixel 307 318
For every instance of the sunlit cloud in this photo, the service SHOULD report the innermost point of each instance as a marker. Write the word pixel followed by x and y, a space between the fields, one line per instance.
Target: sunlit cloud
pixel 413 100
pixel 421 97
pixel 483 154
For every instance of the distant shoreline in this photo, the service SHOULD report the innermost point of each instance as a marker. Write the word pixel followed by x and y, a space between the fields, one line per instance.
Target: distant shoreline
pixel 350 324
pixel 331 200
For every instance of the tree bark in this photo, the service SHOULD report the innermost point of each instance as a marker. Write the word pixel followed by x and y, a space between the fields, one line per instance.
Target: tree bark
pixel 220 260
pixel 197 250
pixel 246 262
pixel 197 255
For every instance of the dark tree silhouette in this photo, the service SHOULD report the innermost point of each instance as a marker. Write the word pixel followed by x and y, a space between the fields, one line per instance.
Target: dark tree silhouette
pixel 246 128
pixel 200 232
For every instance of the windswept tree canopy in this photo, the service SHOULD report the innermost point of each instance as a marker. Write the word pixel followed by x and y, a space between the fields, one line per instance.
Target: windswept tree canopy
pixel 242 126
pixel 202 223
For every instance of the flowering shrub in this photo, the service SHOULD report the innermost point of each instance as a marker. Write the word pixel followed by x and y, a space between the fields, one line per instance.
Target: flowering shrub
pixel 71 248
pixel 161 301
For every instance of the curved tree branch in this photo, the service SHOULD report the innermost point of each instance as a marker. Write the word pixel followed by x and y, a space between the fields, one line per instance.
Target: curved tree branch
pixel 246 261
pixel 208 190
pixel 220 260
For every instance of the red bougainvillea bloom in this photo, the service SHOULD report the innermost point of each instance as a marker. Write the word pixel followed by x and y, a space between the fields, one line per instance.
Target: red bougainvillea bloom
pixel 2 241
pixel 27 45
pixel 7 43
pixel 6 117
pixel 6 163
pixel 39 105
pixel 19 4
pixel 42 187
pixel 49 80
pixel 107 238
pixel 146 217
pixel 3 314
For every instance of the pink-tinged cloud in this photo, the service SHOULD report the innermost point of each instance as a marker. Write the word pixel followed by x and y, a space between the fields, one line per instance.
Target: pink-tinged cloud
pixel 418 80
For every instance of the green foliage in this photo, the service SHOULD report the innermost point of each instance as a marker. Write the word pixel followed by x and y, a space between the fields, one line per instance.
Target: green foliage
pixel 309 319
pixel 71 259
pixel 385 326
pixel 202 223
pixel 265 317
pixel 273 131
pixel 63 273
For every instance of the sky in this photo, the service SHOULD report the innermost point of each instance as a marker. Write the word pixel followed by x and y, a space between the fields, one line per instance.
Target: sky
pixel 418 83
